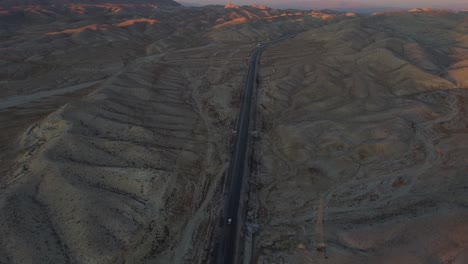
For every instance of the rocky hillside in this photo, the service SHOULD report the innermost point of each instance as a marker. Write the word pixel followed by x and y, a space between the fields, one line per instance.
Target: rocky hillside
pixel 363 143
pixel 117 124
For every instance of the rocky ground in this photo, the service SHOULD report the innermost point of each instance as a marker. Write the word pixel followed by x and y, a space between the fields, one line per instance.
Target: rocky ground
pixel 131 172
pixel 117 123
pixel 363 143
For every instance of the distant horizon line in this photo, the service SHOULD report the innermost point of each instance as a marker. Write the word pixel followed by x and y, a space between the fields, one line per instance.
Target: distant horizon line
pixel 374 8
pixel 334 5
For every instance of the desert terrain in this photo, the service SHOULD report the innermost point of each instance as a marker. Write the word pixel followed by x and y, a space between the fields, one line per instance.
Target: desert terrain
pixel 362 152
pixel 117 123
pixel 117 126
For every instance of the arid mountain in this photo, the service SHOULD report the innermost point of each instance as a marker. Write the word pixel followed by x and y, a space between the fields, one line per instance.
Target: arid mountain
pixel 159 3
pixel 116 127
pixel 117 123
pixel 351 6
pixel 358 6
pixel 302 5
pixel 363 143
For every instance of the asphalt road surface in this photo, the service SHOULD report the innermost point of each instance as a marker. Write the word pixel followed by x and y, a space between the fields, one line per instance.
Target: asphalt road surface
pixel 228 251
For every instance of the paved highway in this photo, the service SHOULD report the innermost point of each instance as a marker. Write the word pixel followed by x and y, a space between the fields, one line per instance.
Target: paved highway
pixel 228 251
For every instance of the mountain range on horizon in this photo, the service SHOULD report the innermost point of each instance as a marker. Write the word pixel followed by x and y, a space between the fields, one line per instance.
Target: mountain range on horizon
pixel 143 132
pixel 363 6
pixel 340 5
pixel 160 3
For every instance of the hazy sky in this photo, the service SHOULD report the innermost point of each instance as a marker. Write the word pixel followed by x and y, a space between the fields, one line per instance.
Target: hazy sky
pixel 387 3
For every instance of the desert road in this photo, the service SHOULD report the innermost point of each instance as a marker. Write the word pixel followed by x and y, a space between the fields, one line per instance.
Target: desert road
pixel 229 245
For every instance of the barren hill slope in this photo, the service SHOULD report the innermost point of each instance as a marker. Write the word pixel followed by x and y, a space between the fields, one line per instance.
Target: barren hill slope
pixel 118 127
pixel 363 145
pixel 117 123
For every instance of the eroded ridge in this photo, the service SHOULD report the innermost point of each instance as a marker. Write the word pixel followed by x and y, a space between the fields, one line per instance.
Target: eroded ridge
pixel 131 172
pixel 367 120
